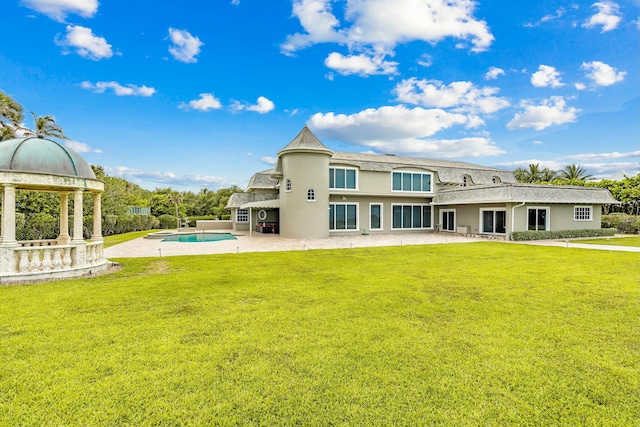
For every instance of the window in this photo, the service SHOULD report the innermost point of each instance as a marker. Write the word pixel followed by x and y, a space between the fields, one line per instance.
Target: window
pixel 311 195
pixel 343 178
pixel 410 216
pixel 242 215
pixel 465 181
pixel 582 213
pixel 448 219
pixel 493 221
pixel 496 180
pixel 375 216
pixel 537 219
pixel 288 185
pixel 343 216
pixel 411 181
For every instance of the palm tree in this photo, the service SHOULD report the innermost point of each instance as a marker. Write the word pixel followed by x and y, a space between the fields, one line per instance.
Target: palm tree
pixel 547 175
pixel 176 198
pixel 47 126
pixel 575 172
pixel 10 116
pixel 533 174
pixel 520 174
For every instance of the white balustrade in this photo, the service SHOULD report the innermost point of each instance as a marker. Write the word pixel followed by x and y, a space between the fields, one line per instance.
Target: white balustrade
pixel 46 258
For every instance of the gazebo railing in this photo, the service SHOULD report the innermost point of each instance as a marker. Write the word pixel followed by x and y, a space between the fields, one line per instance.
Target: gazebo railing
pixel 35 259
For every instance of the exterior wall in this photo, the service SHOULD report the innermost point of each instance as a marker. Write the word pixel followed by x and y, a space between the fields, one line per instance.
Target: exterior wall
pixel 214 225
pixel 387 203
pixel 560 217
pixel 300 218
pixel 379 183
pixel 468 216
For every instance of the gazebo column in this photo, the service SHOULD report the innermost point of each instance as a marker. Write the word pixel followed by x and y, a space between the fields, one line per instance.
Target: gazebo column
pixel 77 217
pixel 97 217
pixel 9 216
pixel 64 237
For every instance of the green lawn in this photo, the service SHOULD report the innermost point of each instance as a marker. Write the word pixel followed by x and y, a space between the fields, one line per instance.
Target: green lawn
pixel 121 238
pixel 615 241
pixel 470 334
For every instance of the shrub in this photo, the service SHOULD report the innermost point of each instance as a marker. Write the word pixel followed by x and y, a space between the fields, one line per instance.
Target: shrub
pixel 628 224
pixel 561 234
pixel 193 219
pixel 168 221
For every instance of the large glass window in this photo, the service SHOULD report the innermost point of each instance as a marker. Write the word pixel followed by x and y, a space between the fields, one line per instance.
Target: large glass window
pixel 411 181
pixel 537 219
pixel 411 216
pixel 375 218
pixel 493 221
pixel 242 215
pixel 343 178
pixel 343 216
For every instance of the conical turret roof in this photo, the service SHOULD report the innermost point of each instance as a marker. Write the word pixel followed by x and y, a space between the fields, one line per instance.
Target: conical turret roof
pixel 305 142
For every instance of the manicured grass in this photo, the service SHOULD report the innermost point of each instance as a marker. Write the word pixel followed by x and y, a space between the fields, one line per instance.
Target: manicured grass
pixel 472 334
pixel 125 237
pixel 614 241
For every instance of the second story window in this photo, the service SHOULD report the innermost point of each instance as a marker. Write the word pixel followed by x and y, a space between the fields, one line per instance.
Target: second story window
pixel 343 178
pixel 311 195
pixel 411 181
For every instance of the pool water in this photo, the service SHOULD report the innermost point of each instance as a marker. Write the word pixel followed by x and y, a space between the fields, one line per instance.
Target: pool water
pixel 198 237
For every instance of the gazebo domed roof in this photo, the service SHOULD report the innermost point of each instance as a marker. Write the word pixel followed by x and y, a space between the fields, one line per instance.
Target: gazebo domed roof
pixel 41 155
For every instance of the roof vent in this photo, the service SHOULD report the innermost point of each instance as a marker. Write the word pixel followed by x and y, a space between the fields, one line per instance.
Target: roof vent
pixel 389 154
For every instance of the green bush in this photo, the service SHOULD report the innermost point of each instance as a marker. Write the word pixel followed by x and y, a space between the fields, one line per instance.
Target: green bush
pixel 118 224
pixel 561 234
pixel 193 219
pixel 168 221
pixel 628 224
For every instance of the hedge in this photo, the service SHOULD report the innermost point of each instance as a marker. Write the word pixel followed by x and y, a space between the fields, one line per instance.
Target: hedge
pixel 628 224
pixel 561 234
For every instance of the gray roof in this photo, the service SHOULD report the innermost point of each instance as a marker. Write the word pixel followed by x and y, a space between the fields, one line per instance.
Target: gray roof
pixel 238 199
pixel 448 171
pixel 529 193
pixel 263 180
pixel 42 156
pixel 305 142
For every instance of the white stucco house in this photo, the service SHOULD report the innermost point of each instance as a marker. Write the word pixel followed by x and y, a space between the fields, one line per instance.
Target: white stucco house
pixel 314 192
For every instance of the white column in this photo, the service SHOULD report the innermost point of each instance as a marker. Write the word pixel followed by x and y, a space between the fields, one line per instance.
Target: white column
pixel 97 217
pixel 1 222
pixel 9 216
pixel 77 217
pixel 64 237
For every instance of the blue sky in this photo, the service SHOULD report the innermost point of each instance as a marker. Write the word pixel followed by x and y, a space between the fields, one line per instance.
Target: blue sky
pixel 203 93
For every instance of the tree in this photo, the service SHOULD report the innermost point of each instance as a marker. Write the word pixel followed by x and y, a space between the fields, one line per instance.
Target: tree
pixel 47 126
pixel 547 175
pixel 10 116
pixel 176 198
pixel 575 172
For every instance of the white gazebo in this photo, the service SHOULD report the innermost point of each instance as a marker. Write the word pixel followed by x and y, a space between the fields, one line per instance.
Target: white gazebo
pixel 37 164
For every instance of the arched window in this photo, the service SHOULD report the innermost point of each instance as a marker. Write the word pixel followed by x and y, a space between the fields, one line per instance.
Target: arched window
pixel 288 185
pixel 311 195
pixel 465 181
pixel 496 180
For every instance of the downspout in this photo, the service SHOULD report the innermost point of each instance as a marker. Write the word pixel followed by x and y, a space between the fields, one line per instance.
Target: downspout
pixel 250 225
pixel 513 214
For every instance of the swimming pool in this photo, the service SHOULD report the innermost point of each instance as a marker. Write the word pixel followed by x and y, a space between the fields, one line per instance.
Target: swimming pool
pixel 198 237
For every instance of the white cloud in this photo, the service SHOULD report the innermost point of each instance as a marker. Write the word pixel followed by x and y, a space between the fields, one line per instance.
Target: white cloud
pixel 493 73
pixel 383 24
pixel 185 47
pixel 552 111
pixel 425 60
pixel 269 160
pixel 85 43
pixel 604 156
pixel 608 16
pixel 553 165
pixel 363 64
pixel 546 76
pixel 580 86
pixel 59 9
pixel 206 102
pixel 559 13
pixel 171 178
pixel 602 74
pixel 80 147
pixel 262 106
pixel 463 96
pixel 118 89
pixel 235 2
pixel 399 129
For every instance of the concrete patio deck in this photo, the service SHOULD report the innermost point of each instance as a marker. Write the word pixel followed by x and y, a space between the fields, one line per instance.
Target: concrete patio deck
pixel 142 247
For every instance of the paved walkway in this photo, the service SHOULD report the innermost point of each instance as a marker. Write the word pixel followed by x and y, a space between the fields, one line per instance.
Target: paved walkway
pixel 142 247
